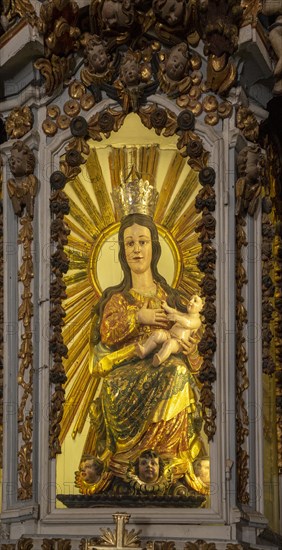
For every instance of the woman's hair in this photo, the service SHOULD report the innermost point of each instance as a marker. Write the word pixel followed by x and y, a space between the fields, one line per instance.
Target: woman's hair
pixel 174 297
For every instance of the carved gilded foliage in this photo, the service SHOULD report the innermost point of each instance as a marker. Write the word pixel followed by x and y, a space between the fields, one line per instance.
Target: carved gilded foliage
pixel 14 10
pixel 247 123
pixel 271 279
pixel 165 63
pixel 58 24
pixel 22 190
pixel 19 122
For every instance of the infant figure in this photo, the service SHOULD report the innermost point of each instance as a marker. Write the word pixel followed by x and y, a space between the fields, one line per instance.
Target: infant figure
pixel 173 340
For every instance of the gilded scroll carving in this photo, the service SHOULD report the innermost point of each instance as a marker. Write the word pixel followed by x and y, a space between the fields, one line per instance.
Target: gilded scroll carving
pixel 58 24
pixel 13 10
pixel 115 25
pixel 220 22
pixel 22 190
pixel 251 9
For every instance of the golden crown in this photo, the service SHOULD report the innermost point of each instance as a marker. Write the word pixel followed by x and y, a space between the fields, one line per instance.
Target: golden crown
pixel 135 195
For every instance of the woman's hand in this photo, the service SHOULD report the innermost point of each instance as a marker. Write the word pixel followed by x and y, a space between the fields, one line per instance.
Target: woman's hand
pixel 188 345
pixel 146 316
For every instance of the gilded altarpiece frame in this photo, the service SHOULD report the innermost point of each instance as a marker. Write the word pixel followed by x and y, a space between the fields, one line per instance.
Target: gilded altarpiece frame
pixel 209 135
pixel 210 164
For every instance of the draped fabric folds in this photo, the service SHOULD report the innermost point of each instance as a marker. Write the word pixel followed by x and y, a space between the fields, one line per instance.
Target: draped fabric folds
pixel 142 407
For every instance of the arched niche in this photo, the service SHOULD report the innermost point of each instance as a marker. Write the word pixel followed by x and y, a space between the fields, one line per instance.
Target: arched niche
pixel 157 157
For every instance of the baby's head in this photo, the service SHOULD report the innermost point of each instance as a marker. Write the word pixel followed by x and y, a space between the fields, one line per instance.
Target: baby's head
pixel 96 55
pixel 177 62
pixel 195 304
pixel 90 469
pixel 129 70
pixel 202 469
pixel 149 466
pixel 170 12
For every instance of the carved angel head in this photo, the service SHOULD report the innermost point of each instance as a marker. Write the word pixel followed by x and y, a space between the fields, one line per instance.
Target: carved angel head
pixel 90 469
pixel 118 14
pixel 171 12
pixel 95 55
pixel 177 62
pixel 149 466
pixel 130 70
pixel 22 160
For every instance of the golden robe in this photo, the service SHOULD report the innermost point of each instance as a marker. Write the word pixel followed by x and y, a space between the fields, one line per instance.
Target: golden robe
pixel 142 407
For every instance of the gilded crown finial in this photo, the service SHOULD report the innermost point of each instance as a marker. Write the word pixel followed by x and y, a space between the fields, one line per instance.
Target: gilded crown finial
pixel 135 195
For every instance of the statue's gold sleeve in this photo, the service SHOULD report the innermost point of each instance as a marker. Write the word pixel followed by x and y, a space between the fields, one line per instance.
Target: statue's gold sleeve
pixel 119 324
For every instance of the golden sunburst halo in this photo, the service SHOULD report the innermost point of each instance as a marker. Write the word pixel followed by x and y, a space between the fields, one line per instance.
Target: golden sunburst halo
pixel 93 222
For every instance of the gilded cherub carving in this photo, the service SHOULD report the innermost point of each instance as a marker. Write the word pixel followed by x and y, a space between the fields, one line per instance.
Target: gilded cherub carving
pixel 174 70
pixel 23 188
pixel 170 12
pixel 134 84
pixel 97 63
pixel 177 18
pixel 112 17
pixel 118 14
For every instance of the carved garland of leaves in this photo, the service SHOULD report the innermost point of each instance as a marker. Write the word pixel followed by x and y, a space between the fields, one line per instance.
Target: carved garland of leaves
pixel 272 253
pixel 242 380
pixel 25 373
pixel 22 192
pixel 248 192
pixel 278 341
pixel 268 287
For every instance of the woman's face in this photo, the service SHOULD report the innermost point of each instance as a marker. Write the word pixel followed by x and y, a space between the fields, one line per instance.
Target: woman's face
pixel 138 248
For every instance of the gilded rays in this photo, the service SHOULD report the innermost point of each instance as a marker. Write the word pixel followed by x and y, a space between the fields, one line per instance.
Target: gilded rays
pixel 92 214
